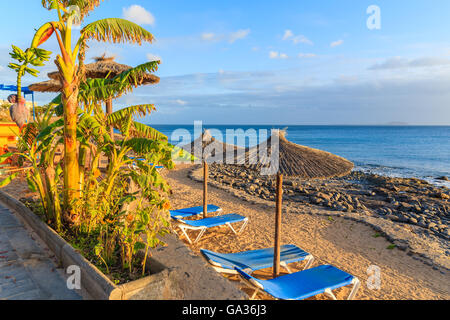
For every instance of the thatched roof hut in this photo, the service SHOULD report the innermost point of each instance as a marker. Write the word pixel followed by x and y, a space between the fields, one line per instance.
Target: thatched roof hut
pixel 296 160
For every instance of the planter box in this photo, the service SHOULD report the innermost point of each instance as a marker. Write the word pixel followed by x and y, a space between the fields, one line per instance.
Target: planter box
pixel 176 273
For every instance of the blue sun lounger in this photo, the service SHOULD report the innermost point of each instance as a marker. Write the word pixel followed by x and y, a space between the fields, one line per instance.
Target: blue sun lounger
pixel 203 224
pixel 192 212
pixel 254 260
pixel 304 284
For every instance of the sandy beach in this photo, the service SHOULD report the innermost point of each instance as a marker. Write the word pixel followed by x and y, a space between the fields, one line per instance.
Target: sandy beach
pixel 346 244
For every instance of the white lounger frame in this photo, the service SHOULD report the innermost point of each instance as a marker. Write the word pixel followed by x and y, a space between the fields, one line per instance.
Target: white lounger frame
pixel 252 284
pixel 218 267
pixel 184 227
pixel 194 215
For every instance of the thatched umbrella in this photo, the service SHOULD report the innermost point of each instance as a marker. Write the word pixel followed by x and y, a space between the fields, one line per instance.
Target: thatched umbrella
pixel 46 86
pixel 210 150
pixel 293 160
pixel 107 68
pixel 103 67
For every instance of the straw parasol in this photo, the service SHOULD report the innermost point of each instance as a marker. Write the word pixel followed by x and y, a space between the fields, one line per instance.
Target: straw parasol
pixel 103 67
pixel 106 68
pixel 210 150
pixel 294 161
pixel 46 86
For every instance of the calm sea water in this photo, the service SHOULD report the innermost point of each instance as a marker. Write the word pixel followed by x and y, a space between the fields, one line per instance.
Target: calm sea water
pixel 403 151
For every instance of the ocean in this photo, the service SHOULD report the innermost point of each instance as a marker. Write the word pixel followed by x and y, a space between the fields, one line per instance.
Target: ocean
pixel 399 151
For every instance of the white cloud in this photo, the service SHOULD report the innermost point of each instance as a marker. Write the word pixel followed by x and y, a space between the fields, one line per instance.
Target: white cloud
pixel 399 62
pixel 307 55
pixel 180 102
pixel 273 54
pixel 302 39
pixel 230 37
pixel 153 57
pixel 336 43
pixel 277 55
pixel 138 15
pixel 208 36
pixel 238 35
pixel 289 35
pixel 342 95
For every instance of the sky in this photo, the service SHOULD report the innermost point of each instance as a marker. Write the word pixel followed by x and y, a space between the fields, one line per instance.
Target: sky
pixel 271 62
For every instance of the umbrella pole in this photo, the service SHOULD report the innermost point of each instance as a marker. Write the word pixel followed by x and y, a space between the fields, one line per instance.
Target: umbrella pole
pixel 276 256
pixel 205 189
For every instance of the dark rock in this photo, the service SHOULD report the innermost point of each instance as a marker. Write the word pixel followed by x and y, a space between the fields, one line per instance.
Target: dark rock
pixel 324 196
pixel 406 206
pixel 441 195
pixel 413 220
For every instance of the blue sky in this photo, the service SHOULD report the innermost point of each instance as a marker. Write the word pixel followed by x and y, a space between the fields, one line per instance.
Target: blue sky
pixel 273 62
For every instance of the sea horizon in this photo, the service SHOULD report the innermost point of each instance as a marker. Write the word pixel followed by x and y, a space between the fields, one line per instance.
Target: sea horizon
pixel 406 151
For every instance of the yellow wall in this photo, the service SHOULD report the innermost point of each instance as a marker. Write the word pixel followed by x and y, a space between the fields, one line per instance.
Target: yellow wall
pixel 8 134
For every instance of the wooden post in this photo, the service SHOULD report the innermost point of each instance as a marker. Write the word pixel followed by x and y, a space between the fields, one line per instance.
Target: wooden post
pixel 109 110
pixel 276 256
pixel 205 189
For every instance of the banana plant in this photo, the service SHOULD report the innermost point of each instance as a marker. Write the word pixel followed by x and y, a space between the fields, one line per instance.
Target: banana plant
pixel 34 56
pixel 70 64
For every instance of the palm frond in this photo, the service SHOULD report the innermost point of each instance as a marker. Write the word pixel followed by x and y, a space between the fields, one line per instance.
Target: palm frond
pixel 139 130
pixel 91 127
pixel 29 134
pixel 49 130
pixel 143 146
pixel 136 74
pixel 97 90
pixel 139 110
pixel 85 6
pixel 116 30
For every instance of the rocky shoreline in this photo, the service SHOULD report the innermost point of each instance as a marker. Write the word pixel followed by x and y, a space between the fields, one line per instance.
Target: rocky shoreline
pixel 412 213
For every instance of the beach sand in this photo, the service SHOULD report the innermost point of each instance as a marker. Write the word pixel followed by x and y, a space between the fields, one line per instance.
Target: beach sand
pixel 348 245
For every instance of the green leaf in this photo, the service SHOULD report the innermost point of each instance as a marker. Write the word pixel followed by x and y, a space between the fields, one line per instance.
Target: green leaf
pixel 31 185
pixel 49 130
pixel 116 30
pixel 139 110
pixel 139 130
pixel 8 180
pixel 5 157
pixel 98 90
pixel 139 246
